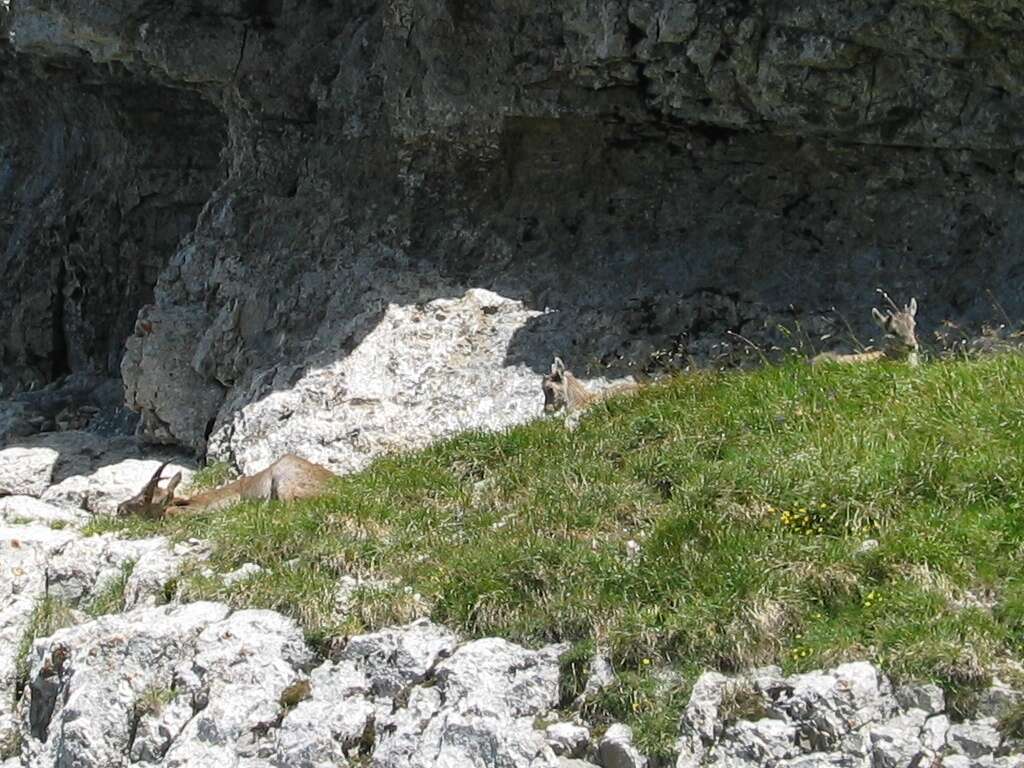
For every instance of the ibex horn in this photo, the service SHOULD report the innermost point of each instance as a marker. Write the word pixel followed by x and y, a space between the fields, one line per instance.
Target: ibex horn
pixel 889 299
pixel 151 486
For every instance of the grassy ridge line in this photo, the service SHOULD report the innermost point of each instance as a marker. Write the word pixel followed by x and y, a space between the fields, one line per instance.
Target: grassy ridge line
pixel 717 520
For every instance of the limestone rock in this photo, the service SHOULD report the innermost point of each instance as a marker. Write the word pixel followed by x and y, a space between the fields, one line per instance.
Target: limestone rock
pixel 423 372
pixel 846 717
pixel 974 739
pixel 156 567
pixel 333 723
pixel 479 712
pixel 895 747
pixel 568 739
pixel 25 510
pixel 928 698
pixel 85 681
pixel 616 750
pixel 395 658
pixel 26 471
pixel 242 573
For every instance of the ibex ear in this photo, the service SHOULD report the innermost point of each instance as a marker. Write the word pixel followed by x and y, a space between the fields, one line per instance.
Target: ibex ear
pixel 557 367
pixel 879 317
pixel 912 307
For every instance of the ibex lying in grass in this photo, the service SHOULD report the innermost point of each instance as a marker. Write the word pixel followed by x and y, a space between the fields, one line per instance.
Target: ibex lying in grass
pixel 288 478
pixel 900 338
pixel 562 390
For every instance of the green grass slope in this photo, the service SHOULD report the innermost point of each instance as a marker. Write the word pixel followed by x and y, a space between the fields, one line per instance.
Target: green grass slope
pixel 791 515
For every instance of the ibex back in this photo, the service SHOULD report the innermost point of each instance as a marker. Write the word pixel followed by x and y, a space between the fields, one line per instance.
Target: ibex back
pixel 900 338
pixel 287 479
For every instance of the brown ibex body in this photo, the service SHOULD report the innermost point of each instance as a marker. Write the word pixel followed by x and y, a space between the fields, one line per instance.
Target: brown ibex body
pixel 900 339
pixel 287 479
pixel 563 391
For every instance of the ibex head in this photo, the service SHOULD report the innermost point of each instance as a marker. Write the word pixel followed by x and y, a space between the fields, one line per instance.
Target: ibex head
pixel 554 385
pixel 152 500
pixel 899 327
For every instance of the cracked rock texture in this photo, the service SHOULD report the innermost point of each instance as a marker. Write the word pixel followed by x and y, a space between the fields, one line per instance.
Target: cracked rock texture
pixel 197 685
pixel 308 201
pixel 847 717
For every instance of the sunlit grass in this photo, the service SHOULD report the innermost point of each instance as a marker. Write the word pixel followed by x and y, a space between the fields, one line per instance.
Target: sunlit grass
pixel 791 515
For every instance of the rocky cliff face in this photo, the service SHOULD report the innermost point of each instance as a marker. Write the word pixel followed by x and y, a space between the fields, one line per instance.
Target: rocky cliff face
pixel 302 197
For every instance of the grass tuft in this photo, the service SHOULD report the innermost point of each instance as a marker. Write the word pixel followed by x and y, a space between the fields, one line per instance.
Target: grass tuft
pixel 153 699
pixel 790 515
pixel 110 599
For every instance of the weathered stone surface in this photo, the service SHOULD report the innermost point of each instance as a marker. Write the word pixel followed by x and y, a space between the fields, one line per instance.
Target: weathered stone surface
pixel 640 184
pixel 928 698
pixel 156 567
pixel 22 510
pixel 242 573
pixel 81 401
pixel 197 685
pixel 568 739
pixel 393 659
pixel 976 739
pixel 72 572
pixel 423 372
pixel 85 681
pixel 847 717
pixel 26 471
pixel 616 750
pixel 240 668
pixel 333 723
pixel 895 747
pixel 480 711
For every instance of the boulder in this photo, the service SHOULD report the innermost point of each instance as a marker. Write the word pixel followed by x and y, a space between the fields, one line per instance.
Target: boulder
pixel 423 372
pixel 567 739
pixel 616 750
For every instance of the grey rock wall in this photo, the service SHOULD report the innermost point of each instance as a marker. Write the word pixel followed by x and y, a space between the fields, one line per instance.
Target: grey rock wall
pixel 654 183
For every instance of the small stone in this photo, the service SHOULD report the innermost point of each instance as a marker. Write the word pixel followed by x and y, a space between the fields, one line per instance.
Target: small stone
pixel 976 739
pixel 567 739
pixel 933 732
pixel 997 699
pixel 242 573
pixel 929 698
pixel 616 750
pixel 894 747
pixel 868 545
pixel 600 675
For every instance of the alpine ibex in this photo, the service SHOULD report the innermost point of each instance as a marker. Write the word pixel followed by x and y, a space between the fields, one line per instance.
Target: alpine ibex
pixel 562 390
pixel 287 479
pixel 900 338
